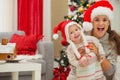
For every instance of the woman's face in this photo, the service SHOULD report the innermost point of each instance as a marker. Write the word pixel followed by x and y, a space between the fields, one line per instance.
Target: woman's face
pixel 100 25
pixel 74 33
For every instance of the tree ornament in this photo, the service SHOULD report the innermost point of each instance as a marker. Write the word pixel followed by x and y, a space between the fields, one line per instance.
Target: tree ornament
pixel 88 5
pixel 69 16
pixel 80 9
pixel 72 8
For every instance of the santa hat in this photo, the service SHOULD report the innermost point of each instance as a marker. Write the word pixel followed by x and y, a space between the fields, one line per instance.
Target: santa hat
pixel 101 7
pixel 63 27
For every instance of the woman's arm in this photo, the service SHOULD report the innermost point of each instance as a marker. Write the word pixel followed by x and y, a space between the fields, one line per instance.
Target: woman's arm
pixel 107 67
pixel 105 64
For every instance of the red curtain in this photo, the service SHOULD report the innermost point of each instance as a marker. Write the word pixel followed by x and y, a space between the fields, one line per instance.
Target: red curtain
pixel 30 16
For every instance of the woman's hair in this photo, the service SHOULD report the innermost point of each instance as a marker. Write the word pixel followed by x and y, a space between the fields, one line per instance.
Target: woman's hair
pixel 114 38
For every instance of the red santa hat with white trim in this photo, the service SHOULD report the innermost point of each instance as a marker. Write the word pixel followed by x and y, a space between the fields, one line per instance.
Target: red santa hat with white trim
pixel 101 7
pixel 63 27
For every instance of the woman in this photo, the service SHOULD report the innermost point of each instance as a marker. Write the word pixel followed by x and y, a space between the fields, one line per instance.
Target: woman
pixel 98 18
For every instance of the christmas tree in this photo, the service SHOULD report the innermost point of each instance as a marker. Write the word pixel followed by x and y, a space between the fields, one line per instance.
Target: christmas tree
pixel 61 72
pixel 63 60
pixel 76 9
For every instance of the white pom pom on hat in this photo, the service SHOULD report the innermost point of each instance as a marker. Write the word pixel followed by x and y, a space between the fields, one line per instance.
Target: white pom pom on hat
pixel 101 7
pixel 87 26
pixel 55 36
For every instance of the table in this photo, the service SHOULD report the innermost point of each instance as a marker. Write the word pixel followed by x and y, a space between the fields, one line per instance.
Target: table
pixel 15 68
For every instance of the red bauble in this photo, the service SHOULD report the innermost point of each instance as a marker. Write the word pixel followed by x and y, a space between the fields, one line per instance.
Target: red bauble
pixel 72 8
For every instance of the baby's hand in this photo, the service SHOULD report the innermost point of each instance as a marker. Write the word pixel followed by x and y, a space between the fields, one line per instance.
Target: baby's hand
pixel 83 61
pixel 94 49
pixel 81 50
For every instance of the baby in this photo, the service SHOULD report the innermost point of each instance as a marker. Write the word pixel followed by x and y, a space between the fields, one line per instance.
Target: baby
pixel 81 52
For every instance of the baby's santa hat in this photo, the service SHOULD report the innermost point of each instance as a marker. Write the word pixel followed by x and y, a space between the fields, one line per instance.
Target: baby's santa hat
pixel 63 27
pixel 101 7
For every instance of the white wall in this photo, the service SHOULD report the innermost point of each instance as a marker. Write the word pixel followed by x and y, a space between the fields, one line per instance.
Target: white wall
pixel 116 13
pixel 47 20
pixel 7 15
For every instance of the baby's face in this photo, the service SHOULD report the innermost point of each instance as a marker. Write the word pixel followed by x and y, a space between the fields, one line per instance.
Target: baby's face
pixel 74 33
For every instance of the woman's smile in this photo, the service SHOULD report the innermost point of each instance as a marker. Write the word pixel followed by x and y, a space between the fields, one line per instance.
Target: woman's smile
pixel 100 29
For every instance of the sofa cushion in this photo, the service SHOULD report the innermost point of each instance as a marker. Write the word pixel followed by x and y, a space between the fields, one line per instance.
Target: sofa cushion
pixel 25 44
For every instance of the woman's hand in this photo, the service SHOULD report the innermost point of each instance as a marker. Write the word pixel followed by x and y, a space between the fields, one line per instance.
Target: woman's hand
pixel 94 49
